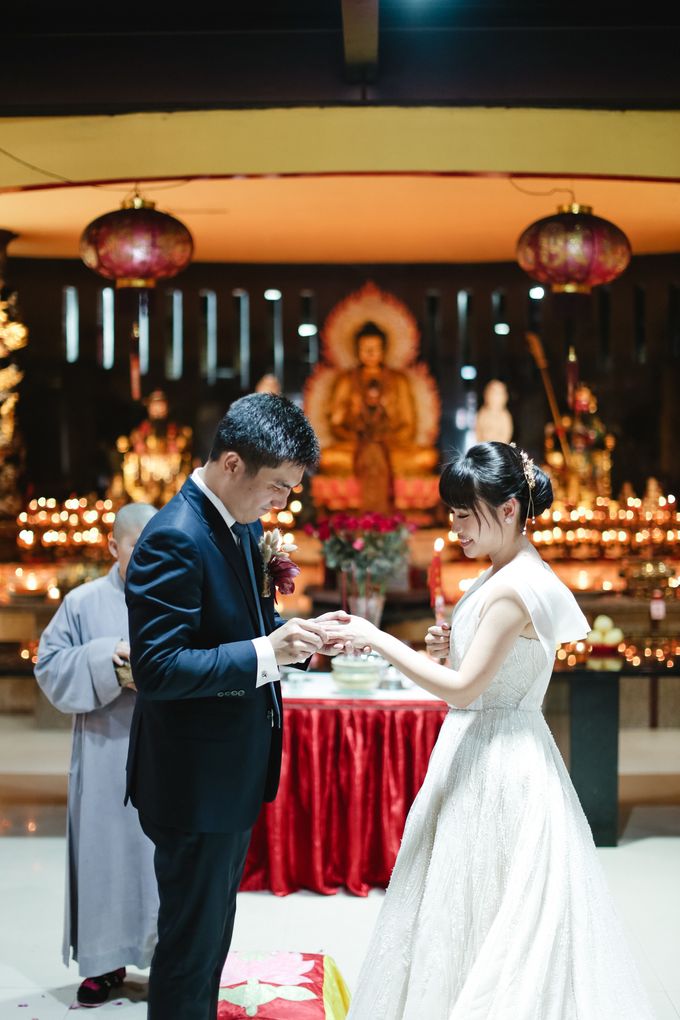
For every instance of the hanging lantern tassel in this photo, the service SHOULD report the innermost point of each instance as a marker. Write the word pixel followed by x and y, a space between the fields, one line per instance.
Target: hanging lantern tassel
pixel 130 305
pixel 135 374
pixel 573 251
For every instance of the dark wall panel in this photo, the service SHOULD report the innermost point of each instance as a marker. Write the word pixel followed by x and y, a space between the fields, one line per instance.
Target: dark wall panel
pixel 71 414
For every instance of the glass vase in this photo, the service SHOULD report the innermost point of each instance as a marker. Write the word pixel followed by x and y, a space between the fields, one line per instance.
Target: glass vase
pixel 370 605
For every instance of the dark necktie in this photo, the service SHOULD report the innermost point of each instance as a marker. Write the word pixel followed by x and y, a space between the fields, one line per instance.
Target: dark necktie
pixel 243 533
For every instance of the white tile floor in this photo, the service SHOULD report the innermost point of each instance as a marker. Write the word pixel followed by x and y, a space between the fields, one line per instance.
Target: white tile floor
pixel 643 872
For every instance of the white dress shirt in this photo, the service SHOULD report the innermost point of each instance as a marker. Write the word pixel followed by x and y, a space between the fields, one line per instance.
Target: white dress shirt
pixel 267 666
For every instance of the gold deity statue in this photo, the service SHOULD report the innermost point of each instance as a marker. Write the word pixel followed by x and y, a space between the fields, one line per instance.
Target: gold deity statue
pixel 156 456
pixel 13 337
pixel 373 421
pixel 588 473
pixel 375 409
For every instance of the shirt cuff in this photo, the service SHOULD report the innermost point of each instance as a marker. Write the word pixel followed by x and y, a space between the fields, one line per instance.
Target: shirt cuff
pixel 267 666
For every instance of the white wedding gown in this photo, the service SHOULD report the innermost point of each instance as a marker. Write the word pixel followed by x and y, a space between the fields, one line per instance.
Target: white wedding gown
pixel 498 908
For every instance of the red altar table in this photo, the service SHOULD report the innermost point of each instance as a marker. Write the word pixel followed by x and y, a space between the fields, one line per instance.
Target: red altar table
pixel 351 769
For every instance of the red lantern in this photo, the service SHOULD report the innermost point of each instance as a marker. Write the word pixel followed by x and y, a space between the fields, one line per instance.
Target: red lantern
pixel 136 245
pixel 573 250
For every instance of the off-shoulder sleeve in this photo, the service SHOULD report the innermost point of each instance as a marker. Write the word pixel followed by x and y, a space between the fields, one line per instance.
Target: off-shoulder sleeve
pixel 554 612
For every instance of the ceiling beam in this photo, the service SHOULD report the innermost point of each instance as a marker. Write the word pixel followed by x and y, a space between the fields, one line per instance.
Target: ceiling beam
pixel 360 39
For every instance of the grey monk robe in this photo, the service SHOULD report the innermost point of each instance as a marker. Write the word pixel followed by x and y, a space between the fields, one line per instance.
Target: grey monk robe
pixel 111 897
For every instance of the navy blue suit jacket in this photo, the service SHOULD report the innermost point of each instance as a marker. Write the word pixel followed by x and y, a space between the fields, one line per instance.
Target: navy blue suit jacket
pixel 203 754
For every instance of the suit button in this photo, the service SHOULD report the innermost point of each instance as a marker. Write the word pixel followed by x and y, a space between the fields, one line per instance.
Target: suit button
pixel 220 694
pixel 241 693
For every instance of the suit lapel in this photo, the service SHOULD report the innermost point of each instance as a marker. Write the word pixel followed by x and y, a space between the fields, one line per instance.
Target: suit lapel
pixel 222 537
pixel 225 542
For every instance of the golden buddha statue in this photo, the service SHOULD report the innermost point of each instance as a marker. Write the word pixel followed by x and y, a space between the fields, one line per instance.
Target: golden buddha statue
pixel 375 409
pixel 374 403
pixel 372 419
pixel 156 456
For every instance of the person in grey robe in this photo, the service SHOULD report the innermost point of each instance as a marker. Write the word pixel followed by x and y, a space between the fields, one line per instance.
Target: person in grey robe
pixel 111 895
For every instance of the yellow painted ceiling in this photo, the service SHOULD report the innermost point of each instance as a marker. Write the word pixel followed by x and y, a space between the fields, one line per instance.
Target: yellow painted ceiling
pixel 355 139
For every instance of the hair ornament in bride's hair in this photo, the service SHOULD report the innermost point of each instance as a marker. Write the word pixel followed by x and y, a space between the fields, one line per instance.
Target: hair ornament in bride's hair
pixel 530 476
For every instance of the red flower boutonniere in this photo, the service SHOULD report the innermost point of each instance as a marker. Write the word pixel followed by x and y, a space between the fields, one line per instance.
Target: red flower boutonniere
pixel 279 569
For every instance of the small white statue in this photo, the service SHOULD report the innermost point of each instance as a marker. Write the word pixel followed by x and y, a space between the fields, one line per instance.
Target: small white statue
pixel 494 421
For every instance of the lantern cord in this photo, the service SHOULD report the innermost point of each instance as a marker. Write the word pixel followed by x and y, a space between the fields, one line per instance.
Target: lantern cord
pixel 32 166
pixel 543 194
pixel 82 184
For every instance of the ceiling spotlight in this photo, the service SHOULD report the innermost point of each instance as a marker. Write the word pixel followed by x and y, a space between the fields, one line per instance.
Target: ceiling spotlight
pixel 272 294
pixel 536 293
pixel 501 329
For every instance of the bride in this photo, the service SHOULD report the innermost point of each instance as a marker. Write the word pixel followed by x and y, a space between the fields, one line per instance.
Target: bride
pixel 497 908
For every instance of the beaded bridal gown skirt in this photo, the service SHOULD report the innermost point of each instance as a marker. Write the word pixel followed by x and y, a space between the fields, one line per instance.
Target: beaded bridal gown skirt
pixel 498 908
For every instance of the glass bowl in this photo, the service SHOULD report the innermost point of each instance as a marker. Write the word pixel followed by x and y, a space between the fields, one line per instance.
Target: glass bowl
pixel 358 673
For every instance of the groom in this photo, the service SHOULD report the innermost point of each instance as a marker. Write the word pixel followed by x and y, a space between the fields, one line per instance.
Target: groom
pixel 205 743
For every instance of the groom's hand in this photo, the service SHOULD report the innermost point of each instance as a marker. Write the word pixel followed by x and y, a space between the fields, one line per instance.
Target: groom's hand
pixel 297 640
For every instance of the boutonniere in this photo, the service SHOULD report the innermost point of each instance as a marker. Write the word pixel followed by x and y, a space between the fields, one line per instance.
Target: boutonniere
pixel 279 569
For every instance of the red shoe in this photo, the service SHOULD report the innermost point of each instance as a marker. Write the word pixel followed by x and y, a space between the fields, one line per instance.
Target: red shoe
pixel 95 990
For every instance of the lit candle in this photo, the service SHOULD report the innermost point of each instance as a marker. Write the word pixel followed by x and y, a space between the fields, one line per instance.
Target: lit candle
pixel 435 579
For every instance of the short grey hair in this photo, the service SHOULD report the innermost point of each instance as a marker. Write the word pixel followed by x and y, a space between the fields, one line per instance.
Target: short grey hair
pixel 132 518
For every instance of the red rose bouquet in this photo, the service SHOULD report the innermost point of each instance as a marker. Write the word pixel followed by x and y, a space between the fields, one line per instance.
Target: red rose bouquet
pixel 368 548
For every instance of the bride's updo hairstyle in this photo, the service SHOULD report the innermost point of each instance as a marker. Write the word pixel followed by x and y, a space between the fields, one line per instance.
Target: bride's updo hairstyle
pixel 490 474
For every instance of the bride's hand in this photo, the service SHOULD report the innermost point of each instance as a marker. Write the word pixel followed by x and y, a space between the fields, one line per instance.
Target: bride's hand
pixel 357 633
pixel 437 640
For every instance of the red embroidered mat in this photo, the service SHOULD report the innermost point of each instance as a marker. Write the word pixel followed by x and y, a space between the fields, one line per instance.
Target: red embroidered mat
pixel 282 986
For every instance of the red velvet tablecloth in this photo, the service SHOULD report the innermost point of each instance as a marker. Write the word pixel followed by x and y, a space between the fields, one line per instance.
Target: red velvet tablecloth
pixel 351 769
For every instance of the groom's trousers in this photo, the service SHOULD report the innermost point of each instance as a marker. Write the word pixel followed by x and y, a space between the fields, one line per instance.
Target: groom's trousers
pixel 198 875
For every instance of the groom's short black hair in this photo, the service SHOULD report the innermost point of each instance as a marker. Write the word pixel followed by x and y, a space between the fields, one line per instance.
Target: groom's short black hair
pixel 265 430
